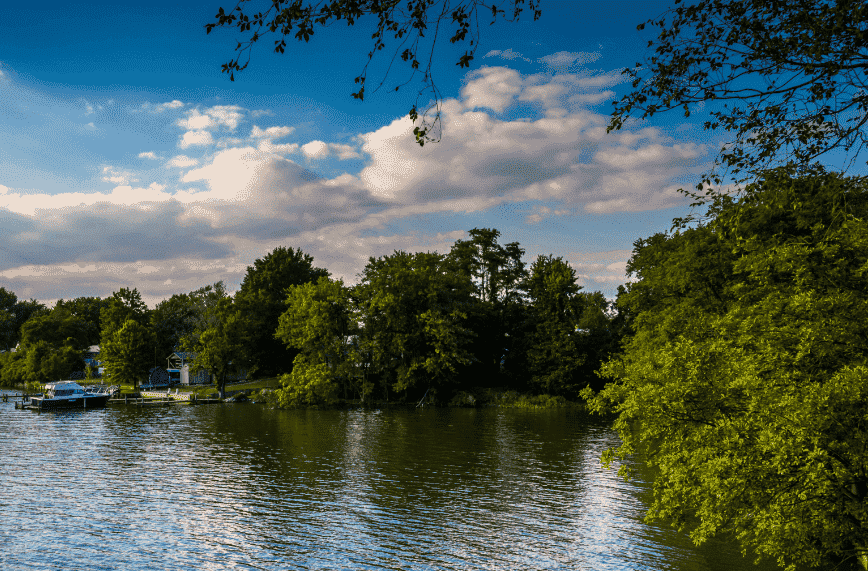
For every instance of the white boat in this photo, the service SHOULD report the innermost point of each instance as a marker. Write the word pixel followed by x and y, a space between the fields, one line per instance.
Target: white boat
pixel 68 394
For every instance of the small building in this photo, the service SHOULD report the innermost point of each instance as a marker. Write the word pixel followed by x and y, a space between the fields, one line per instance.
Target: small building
pixel 179 370
pixel 91 359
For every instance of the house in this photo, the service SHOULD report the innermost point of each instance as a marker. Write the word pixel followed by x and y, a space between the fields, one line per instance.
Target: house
pixel 91 358
pixel 179 370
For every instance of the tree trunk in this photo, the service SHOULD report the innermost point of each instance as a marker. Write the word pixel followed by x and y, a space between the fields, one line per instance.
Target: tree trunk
pixel 221 385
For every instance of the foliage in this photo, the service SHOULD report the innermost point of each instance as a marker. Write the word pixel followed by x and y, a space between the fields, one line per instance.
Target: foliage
pixel 496 275
pixel 127 354
pixel 745 384
pixel 88 310
pixel 554 356
pixel 790 74
pixel 262 299
pixel 219 349
pixel 414 25
pixel 414 335
pixel 318 323
pixel 184 315
pixel 13 314
pixel 56 328
pixel 123 305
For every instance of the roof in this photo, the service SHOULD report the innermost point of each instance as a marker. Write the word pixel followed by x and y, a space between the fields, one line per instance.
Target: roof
pixel 93 349
pixel 186 355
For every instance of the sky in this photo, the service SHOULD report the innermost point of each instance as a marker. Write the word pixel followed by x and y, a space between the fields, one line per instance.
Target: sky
pixel 127 159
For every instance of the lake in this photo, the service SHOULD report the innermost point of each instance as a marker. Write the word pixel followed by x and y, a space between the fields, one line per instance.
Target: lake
pixel 246 487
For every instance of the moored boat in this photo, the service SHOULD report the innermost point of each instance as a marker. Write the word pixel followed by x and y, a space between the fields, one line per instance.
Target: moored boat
pixel 68 394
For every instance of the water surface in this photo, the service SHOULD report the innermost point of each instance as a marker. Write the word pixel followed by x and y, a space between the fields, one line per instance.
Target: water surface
pixel 246 487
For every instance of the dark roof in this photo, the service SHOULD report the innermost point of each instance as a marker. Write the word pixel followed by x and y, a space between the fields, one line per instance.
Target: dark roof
pixel 186 355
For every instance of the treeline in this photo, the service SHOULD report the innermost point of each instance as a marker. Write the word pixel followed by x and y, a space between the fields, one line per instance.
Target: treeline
pixel 416 324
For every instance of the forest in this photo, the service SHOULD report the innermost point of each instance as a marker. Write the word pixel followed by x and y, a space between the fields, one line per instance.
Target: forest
pixel 439 327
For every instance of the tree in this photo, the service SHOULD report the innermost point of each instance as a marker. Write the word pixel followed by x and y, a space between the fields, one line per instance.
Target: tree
pixel 414 26
pixel 88 310
pixel 128 354
pixel 414 325
pixel 747 393
pixel 184 315
pixel 123 305
pixel 496 275
pixel 554 355
pixel 219 348
pixel 785 77
pixel 262 299
pixel 318 323
pixel 13 314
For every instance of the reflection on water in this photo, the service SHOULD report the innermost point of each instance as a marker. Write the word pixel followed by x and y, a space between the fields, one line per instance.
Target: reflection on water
pixel 243 486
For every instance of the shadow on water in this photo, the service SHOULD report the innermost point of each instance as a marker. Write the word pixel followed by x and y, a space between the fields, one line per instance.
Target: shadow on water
pixel 245 486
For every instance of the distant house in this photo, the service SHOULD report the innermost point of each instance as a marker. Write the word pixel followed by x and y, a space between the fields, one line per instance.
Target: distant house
pixel 179 370
pixel 91 358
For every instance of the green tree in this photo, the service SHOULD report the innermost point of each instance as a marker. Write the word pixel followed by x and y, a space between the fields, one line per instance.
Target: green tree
pixel 262 299
pixel 785 78
pixel 219 348
pixel 8 329
pixel 184 315
pixel 13 314
pixel 128 354
pixel 496 274
pixel 413 25
pixel 319 323
pixel 414 324
pixel 748 393
pixel 123 305
pixel 88 310
pixel 554 355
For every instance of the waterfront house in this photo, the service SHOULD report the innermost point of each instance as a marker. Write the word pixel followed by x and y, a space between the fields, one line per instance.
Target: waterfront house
pixel 179 370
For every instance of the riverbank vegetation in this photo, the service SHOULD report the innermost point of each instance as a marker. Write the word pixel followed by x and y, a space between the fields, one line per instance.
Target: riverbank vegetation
pixel 418 327
pixel 745 381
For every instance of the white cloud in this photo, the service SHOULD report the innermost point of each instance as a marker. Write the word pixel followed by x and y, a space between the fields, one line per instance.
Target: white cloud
pixel 196 121
pixel 566 59
pixel 161 107
pixel 271 132
pixel 547 159
pixel 508 54
pixel 111 174
pixel 196 138
pixel 182 161
pixel 493 88
pixel 227 115
pixel 315 150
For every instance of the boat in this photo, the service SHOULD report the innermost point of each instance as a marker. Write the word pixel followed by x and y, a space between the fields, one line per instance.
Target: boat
pixel 67 394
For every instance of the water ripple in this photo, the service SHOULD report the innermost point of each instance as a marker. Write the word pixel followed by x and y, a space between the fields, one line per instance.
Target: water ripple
pixel 245 487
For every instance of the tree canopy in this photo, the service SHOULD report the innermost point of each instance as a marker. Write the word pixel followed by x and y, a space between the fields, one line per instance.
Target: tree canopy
pixel 262 298
pixel 410 29
pixel 745 384
pixel 785 78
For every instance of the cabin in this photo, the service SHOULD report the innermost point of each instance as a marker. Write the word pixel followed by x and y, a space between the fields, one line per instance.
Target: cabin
pixel 179 370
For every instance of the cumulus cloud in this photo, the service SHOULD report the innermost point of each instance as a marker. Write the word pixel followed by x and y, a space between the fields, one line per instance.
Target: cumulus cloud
pixel 531 141
pixel 564 155
pixel 182 161
pixel 196 139
pixel 111 174
pixel 271 132
pixel 315 150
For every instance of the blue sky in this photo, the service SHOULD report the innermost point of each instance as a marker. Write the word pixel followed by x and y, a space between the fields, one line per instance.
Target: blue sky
pixel 128 160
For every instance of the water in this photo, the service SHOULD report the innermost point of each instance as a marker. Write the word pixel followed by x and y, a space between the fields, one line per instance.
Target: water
pixel 246 487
